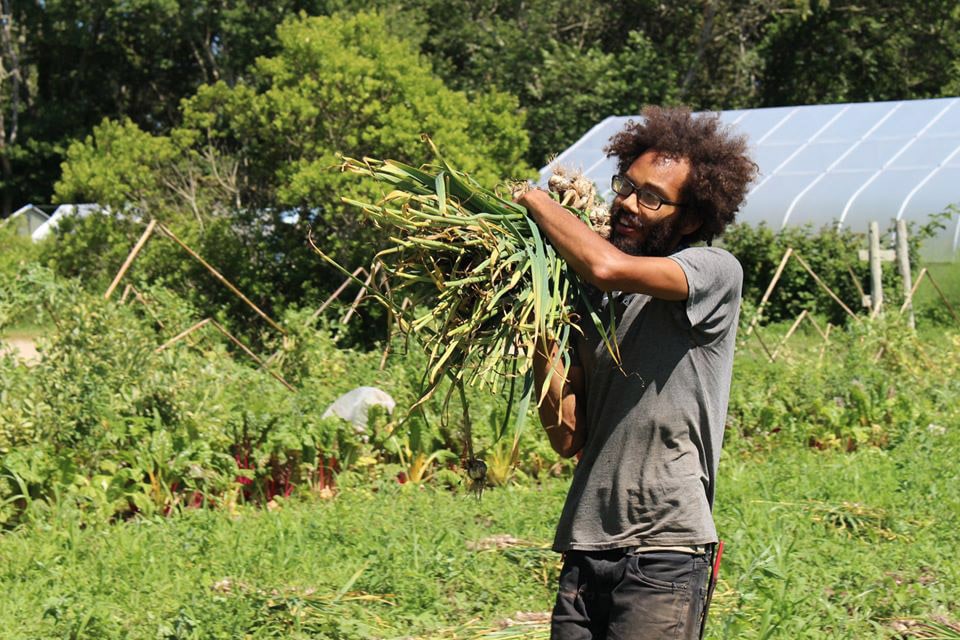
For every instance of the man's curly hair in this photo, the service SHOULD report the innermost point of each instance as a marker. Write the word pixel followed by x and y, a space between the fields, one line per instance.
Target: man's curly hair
pixel 720 169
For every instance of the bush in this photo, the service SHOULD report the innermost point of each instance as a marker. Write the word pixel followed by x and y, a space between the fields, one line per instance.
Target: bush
pixel 831 254
pixel 107 421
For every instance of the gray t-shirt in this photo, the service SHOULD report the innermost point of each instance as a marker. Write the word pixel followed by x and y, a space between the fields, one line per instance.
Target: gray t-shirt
pixel 654 428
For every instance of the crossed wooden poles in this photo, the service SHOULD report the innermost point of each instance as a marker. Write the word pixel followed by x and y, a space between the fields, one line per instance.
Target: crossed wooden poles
pixel 805 315
pixel 148 232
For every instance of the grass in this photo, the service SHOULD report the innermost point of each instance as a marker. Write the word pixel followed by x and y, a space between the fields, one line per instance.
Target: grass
pixel 819 545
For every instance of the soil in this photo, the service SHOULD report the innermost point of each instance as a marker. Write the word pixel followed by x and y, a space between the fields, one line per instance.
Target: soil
pixel 23 348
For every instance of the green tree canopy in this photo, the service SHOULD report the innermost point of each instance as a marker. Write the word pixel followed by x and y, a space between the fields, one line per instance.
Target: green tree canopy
pixel 255 164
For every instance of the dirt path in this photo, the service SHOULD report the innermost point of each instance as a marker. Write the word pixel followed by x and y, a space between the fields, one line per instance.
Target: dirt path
pixel 24 349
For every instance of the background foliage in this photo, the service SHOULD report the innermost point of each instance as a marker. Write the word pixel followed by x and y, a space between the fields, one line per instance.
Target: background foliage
pixel 144 57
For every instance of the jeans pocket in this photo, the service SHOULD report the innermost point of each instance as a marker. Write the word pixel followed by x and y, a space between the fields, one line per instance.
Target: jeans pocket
pixel 663 570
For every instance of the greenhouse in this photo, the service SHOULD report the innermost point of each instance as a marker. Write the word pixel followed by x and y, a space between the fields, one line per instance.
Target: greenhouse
pixel 834 164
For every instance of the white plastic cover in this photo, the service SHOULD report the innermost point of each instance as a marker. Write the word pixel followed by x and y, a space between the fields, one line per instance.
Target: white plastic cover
pixel 354 405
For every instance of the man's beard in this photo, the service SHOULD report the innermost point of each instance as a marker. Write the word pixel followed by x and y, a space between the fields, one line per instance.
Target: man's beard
pixel 659 241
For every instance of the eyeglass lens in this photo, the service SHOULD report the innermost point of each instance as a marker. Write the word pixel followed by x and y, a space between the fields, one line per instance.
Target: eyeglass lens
pixel 623 187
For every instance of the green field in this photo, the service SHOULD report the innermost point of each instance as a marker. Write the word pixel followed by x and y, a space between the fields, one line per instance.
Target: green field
pixel 136 486
pixel 819 545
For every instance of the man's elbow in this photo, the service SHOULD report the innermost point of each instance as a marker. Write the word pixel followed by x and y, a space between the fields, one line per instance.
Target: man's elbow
pixel 567 446
pixel 566 450
pixel 603 274
pixel 562 439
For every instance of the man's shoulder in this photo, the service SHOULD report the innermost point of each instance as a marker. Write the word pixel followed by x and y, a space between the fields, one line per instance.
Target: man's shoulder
pixel 715 258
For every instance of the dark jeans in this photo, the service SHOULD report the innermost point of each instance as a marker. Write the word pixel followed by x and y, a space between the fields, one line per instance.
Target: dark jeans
pixel 619 595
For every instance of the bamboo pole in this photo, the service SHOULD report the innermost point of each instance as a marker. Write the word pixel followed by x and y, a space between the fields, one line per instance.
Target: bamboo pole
pixel 943 297
pixel 829 291
pixel 793 327
pixel 126 292
pixel 363 289
pixel 236 341
pixel 220 277
pixel 764 345
pixel 183 334
pixel 816 325
pixel 826 341
pixel 766 295
pixel 913 289
pixel 336 294
pixel 139 298
pixel 130 257
pixel 856 283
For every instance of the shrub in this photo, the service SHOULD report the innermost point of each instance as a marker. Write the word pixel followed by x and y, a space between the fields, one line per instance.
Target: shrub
pixel 831 254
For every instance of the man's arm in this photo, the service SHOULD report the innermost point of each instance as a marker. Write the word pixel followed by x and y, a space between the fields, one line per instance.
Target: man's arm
pixel 561 412
pixel 599 262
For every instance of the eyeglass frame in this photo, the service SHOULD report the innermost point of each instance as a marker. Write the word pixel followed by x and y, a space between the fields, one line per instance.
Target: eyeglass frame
pixel 625 181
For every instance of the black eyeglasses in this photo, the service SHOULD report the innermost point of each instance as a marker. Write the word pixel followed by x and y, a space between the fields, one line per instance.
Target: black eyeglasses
pixel 623 187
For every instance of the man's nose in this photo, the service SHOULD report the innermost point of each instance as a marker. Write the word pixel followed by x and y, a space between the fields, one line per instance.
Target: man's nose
pixel 631 204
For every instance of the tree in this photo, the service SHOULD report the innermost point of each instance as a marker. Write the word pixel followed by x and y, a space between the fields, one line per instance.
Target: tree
pixel 861 50
pixel 87 60
pixel 11 81
pixel 251 168
pixel 620 84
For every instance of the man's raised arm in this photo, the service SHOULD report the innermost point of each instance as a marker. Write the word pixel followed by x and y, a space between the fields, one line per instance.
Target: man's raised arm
pixel 561 412
pixel 599 262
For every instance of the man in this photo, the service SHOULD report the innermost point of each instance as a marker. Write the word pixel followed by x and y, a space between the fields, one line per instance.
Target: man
pixel 637 528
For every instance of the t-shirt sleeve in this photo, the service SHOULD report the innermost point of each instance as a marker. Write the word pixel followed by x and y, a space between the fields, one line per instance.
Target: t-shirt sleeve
pixel 715 280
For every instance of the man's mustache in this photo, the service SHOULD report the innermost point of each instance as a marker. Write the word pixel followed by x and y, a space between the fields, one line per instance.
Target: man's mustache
pixel 618 214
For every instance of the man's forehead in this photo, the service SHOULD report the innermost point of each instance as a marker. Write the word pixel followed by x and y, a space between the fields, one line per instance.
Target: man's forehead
pixel 661 163
pixel 658 157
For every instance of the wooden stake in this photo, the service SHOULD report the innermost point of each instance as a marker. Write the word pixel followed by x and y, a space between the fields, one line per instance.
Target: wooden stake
pixel 183 334
pixel 766 295
pixel 220 277
pixel 796 323
pixel 126 292
pixel 829 291
pixel 876 271
pixel 903 261
pixel 133 254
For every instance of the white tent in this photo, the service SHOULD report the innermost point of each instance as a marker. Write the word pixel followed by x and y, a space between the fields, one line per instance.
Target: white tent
pixel 61 212
pixel 27 219
pixel 846 164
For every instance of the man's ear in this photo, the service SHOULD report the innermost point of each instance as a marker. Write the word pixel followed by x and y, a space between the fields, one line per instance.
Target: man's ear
pixel 690 224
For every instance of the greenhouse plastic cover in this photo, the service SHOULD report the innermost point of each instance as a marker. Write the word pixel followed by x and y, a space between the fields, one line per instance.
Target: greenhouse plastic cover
pixel 835 164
